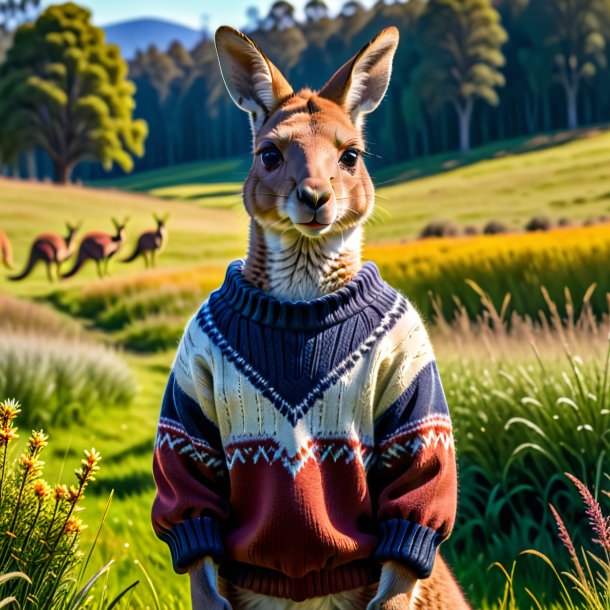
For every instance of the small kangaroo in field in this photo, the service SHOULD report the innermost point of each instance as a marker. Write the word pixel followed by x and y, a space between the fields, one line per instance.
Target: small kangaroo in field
pixel 100 247
pixel 151 243
pixel 52 250
pixel 304 457
pixel 6 252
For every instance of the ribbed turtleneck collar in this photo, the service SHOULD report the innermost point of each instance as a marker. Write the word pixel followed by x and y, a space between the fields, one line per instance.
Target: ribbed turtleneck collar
pixel 253 303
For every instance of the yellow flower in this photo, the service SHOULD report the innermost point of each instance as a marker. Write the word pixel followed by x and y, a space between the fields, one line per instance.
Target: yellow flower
pixel 38 441
pixel 60 492
pixel 7 434
pixel 9 409
pixel 74 525
pixel 30 464
pixel 41 489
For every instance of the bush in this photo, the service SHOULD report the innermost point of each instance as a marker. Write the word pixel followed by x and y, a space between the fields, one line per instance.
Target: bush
pixel 494 227
pixel 39 524
pixel 439 228
pixel 153 334
pixel 62 379
pixel 539 223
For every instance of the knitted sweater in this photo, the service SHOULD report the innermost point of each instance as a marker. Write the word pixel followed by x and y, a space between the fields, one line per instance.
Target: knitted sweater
pixel 303 444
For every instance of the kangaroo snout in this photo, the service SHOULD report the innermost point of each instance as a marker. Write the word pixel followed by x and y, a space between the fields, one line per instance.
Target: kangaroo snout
pixel 313 209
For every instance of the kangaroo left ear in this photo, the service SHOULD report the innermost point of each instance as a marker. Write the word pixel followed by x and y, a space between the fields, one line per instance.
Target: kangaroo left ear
pixel 360 84
pixel 253 82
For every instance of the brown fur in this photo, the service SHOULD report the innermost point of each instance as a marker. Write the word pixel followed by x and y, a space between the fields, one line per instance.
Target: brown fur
pixel 150 243
pixel 52 250
pixel 6 252
pixel 307 212
pixel 99 247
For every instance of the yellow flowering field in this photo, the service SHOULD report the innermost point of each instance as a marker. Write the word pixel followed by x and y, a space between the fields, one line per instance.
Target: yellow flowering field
pixel 519 264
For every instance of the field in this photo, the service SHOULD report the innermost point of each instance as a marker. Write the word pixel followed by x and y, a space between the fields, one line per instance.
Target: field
pixel 493 378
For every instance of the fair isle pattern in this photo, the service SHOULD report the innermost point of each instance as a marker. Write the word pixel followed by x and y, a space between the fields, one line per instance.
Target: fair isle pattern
pixel 291 411
pixel 318 450
pixel 173 435
pixel 408 440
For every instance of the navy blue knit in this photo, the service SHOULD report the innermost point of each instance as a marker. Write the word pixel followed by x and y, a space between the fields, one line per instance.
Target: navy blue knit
pixel 294 350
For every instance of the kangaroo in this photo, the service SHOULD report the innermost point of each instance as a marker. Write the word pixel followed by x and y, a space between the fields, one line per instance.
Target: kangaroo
pixel 99 247
pixel 6 252
pixel 52 250
pixel 151 242
pixel 304 456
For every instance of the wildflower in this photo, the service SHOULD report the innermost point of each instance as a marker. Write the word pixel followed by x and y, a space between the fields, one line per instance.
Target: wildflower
pixel 599 524
pixel 60 492
pixel 7 434
pixel 9 409
pixel 41 489
pixel 30 464
pixel 74 494
pixel 89 467
pixel 74 525
pixel 37 441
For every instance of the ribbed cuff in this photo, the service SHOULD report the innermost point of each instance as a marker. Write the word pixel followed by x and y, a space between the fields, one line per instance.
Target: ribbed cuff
pixel 193 539
pixel 408 543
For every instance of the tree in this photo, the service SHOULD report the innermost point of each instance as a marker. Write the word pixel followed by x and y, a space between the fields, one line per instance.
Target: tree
pixel 574 38
pixel 64 90
pixel 460 45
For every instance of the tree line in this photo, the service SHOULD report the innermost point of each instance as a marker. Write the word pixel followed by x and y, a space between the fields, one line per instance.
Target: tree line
pixel 467 72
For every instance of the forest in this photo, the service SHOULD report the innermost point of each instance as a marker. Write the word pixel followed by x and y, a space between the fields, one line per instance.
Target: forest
pixel 468 72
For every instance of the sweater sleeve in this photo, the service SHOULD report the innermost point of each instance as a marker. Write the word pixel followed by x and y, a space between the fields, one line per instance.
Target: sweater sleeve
pixel 416 476
pixel 188 465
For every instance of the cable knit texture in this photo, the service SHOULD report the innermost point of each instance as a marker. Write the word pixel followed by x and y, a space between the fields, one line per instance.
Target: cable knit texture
pixel 303 444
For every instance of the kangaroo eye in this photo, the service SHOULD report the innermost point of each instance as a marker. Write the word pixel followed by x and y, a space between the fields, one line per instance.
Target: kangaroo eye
pixel 349 158
pixel 271 158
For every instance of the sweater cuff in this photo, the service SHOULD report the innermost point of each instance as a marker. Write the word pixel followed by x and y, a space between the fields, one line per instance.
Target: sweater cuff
pixel 192 540
pixel 408 543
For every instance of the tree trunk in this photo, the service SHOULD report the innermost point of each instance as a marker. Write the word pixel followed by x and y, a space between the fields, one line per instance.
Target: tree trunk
pixel 30 162
pixel 572 105
pixel 62 171
pixel 464 116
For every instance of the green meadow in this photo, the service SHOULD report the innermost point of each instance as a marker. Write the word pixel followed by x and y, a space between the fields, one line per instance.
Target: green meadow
pixel 528 404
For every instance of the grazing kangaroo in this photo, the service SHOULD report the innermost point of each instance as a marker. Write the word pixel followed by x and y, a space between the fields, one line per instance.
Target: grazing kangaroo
pixel 151 242
pixel 99 247
pixel 6 252
pixel 305 445
pixel 52 250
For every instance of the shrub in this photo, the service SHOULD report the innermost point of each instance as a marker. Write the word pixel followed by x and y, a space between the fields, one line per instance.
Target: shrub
pixel 61 379
pixel 153 334
pixel 439 228
pixel 39 524
pixel 33 318
pixel 493 227
pixel 539 223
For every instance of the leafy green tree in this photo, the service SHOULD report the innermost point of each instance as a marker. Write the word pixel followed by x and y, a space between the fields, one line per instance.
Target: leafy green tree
pixel 64 90
pixel 571 34
pixel 460 44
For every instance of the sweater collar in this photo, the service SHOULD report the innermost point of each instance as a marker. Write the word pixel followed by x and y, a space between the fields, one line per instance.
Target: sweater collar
pixel 253 303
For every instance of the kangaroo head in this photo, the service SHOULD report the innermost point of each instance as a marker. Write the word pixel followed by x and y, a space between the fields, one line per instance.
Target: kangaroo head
pixel 119 228
pixel 160 220
pixel 308 176
pixel 71 229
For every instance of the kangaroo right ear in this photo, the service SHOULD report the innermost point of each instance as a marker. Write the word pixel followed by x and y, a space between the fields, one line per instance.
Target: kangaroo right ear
pixel 253 82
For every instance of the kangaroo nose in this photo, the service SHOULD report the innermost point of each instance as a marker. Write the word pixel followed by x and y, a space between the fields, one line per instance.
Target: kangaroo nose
pixel 313 197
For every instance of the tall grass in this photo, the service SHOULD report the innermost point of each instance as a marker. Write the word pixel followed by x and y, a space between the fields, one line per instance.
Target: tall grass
pixel 525 411
pixel 59 372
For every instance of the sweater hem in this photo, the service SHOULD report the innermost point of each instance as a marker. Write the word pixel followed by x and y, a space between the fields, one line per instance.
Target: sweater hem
pixel 317 583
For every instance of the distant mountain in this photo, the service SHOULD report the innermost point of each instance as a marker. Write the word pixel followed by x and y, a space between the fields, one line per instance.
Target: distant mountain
pixel 139 34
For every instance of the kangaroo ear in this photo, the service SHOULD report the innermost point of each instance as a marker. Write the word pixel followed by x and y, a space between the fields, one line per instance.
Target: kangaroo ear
pixel 127 219
pixel 253 82
pixel 360 84
pixel 115 222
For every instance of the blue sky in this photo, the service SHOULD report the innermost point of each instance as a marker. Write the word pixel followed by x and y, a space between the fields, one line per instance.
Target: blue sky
pixel 188 12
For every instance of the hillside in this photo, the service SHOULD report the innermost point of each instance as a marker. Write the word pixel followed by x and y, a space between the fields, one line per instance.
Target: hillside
pixel 138 34
pixel 556 176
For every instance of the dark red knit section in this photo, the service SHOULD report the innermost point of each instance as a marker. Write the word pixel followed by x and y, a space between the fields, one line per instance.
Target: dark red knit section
pixel 315 584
